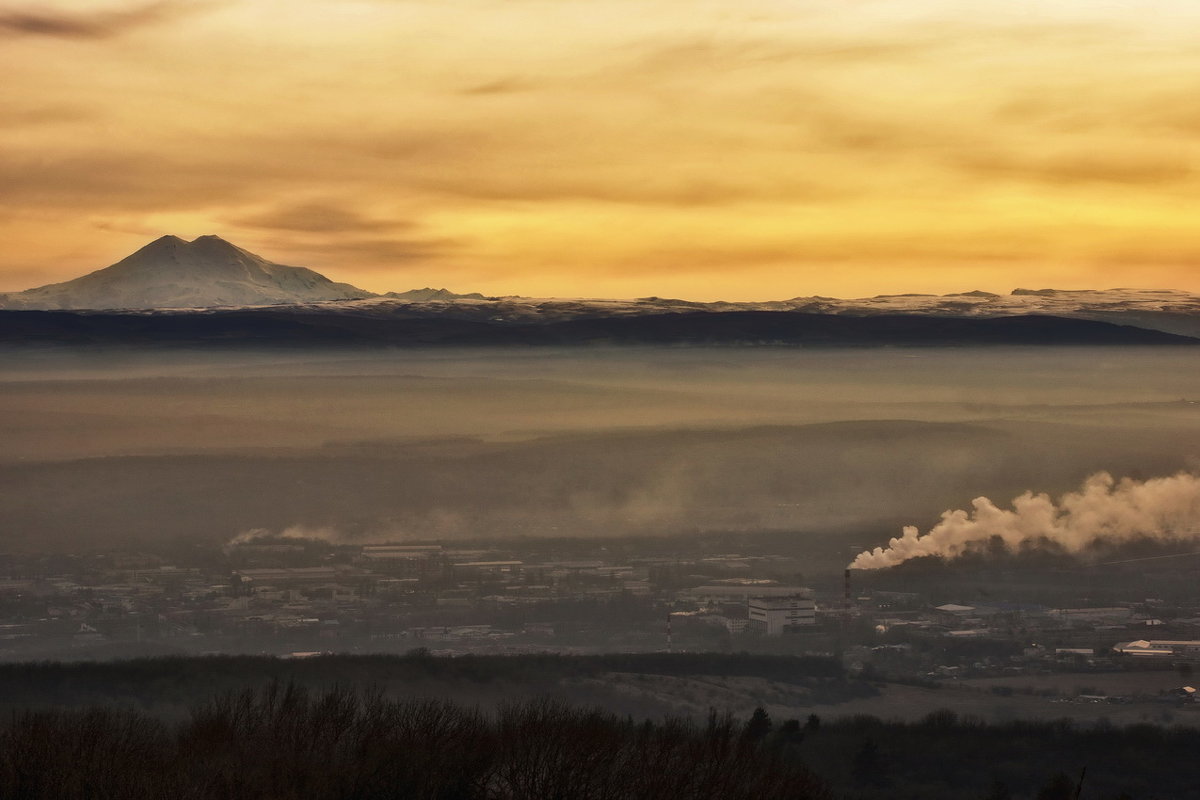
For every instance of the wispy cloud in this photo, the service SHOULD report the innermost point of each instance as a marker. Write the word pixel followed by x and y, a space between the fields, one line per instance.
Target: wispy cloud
pixel 611 145
pixel 92 24
pixel 317 216
pixel 378 254
pixel 500 86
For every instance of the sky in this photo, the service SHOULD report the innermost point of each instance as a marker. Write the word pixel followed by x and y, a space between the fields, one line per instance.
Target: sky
pixel 739 150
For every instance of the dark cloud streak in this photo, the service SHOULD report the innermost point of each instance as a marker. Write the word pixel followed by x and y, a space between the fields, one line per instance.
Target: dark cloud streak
pixel 500 87
pixel 92 25
pixel 1081 168
pixel 317 217
pixel 384 253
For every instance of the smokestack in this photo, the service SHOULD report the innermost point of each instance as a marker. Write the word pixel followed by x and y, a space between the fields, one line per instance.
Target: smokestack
pixel 1163 509
pixel 668 631
pixel 846 588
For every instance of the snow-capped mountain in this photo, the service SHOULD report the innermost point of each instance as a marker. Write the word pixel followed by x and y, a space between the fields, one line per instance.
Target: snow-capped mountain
pixel 173 273
pixel 1165 310
pixel 209 273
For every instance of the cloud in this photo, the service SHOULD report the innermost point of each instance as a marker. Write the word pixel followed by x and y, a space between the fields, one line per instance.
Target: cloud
pixel 899 46
pixel 846 250
pixel 618 186
pixel 687 56
pixel 579 139
pixel 501 86
pixel 324 217
pixel 382 253
pixel 44 114
pixel 118 181
pixel 322 533
pixel 92 24
pixel 1159 509
pixel 1116 168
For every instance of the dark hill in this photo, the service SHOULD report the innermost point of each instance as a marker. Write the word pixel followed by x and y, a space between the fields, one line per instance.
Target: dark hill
pixel 306 327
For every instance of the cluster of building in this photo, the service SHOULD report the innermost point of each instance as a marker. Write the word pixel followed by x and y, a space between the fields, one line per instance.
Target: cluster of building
pixel 283 596
pixel 280 596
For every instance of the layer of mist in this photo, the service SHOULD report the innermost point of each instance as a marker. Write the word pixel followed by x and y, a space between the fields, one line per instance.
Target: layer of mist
pixel 104 449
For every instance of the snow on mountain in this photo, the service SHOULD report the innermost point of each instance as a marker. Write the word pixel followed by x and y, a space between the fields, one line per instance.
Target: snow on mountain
pixel 173 273
pixel 1166 310
pixel 1160 309
pixel 210 273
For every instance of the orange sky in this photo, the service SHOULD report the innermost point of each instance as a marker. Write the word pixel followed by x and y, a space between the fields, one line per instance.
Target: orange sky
pixel 739 150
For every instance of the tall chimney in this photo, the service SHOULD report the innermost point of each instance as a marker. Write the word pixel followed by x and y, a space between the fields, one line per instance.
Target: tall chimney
pixel 846 584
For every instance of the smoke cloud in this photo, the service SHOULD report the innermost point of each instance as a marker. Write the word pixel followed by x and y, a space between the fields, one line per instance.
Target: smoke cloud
pixel 325 534
pixel 1102 510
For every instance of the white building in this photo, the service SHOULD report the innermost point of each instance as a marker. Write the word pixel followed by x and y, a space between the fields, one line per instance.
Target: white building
pixel 400 552
pixel 1160 648
pixel 774 615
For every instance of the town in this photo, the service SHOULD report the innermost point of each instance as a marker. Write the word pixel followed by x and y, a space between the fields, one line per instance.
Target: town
pixel 297 597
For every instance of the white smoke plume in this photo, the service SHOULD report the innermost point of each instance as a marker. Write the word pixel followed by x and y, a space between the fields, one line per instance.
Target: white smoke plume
pixel 1103 509
pixel 294 532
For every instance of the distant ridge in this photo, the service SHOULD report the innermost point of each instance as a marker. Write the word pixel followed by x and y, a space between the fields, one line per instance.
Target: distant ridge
pixel 173 276
pixel 428 295
pixel 338 325
pixel 170 272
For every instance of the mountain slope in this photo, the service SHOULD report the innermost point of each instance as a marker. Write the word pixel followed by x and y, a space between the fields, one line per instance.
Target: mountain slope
pixel 173 273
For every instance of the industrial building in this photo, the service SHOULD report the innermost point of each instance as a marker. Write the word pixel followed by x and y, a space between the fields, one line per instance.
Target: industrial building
pixel 777 615
pixel 1160 648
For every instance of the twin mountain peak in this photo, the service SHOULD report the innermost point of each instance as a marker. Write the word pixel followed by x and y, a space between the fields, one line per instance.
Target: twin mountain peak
pixel 206 272
pixel 209 272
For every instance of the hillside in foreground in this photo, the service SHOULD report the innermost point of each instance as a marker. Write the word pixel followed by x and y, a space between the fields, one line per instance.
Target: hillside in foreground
pixel 319 728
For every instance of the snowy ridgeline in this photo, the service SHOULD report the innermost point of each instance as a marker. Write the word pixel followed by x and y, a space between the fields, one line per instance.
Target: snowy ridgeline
pixel 209 272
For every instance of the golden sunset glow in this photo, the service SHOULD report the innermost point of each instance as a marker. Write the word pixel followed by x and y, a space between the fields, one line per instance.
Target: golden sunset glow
pixel 738 150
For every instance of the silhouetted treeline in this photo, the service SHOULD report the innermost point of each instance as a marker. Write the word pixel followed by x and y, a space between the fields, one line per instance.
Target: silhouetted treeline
pixel 163 683
pixel 159 730
pixel 287 743
pixel 947 757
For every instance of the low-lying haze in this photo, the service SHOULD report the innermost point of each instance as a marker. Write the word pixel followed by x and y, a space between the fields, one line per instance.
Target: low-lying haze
pixel 99 449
